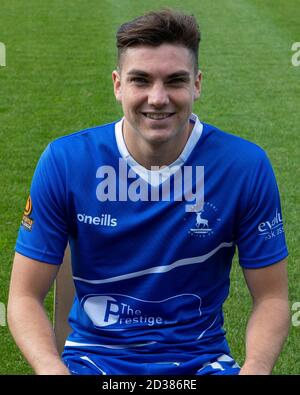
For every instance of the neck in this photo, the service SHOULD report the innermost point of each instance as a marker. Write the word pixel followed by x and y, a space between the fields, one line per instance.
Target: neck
pixel 158 154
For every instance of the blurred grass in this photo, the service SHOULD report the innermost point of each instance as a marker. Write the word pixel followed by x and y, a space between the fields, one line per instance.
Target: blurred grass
pixel 60 55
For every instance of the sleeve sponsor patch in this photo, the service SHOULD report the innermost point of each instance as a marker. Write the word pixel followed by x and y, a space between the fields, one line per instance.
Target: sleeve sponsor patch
pixel 27 222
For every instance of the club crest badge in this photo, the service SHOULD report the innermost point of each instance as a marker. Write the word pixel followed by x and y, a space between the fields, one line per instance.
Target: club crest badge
pixel 205 221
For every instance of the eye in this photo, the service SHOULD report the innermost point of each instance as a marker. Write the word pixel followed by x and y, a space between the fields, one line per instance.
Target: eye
pixel 139 80
pixel 178 81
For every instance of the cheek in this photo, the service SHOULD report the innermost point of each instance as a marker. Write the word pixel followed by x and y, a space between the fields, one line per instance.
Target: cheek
pixel 128 105
pixel 184 98
pixel 131 101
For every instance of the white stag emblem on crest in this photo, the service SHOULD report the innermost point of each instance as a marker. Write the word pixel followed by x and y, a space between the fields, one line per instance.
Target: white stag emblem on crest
pixel 202 225
pixel 201 221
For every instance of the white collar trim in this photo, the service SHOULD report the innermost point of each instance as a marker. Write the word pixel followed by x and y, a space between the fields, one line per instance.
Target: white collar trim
pixel 156 177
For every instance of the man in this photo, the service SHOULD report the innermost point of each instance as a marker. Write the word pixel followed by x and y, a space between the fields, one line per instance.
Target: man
pixel 153 207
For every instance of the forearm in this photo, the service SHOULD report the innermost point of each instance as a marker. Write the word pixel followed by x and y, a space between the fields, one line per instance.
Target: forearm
pixel 33 333
pixel 266 332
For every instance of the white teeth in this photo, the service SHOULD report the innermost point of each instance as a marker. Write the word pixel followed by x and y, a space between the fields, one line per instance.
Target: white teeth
pixel 157 115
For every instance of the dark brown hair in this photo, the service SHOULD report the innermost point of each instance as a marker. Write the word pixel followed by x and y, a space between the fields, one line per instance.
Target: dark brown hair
pixel 157 27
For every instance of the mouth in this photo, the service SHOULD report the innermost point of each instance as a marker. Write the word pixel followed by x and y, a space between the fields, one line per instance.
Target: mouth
pixel 157 116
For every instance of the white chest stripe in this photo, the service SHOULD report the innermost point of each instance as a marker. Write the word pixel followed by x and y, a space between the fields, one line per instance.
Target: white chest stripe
pixel 70 343
pixel 157 269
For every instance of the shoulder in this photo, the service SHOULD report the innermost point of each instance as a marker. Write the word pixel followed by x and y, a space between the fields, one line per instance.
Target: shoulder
pixel 233 147
pixel 78 151
pixel 81 138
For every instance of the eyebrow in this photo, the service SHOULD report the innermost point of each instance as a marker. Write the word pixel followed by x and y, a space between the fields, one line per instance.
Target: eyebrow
pixel 141 73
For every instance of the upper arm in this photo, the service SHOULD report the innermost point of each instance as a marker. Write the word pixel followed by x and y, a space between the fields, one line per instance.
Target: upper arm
pixel 43 234
pixel 268 282
pixel 30 277
pixel 260 234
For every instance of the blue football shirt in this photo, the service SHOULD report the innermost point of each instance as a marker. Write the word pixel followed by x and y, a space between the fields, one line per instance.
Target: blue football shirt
pixel 150 264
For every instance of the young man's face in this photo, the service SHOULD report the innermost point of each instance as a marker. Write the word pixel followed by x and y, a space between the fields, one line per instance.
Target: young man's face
pixel 157 87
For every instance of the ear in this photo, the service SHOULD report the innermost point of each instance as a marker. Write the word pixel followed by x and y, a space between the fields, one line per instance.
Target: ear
pixel 197 85
pixel 117 85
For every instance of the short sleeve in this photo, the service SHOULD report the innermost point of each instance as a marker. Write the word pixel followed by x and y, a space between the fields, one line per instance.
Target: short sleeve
pixel 43 233
pixel 260 237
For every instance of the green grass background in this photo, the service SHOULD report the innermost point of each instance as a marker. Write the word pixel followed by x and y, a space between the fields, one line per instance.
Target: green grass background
pixel 60 55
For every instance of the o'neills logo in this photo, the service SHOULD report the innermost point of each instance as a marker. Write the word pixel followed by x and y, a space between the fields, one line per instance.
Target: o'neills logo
pixel 103 220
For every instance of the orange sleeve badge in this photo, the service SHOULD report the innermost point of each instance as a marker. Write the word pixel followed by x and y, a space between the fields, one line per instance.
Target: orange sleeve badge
pixel 27 222
pixel 28 207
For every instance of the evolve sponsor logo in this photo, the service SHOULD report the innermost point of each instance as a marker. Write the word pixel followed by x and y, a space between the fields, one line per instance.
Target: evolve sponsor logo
pixel 273 228
pixel 117 311
pixel 103 220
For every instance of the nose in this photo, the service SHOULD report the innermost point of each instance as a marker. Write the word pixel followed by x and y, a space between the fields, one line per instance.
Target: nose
pixel 158 95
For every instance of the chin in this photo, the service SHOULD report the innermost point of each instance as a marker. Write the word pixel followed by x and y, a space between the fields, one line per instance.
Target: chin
pixel 159 136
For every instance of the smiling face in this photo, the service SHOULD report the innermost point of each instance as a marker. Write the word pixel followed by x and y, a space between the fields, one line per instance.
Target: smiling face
pixel 157 87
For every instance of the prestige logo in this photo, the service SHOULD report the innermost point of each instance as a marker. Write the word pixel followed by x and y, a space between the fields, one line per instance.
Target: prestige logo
pixel 107 311
pixel 117 311
pixel 273 228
